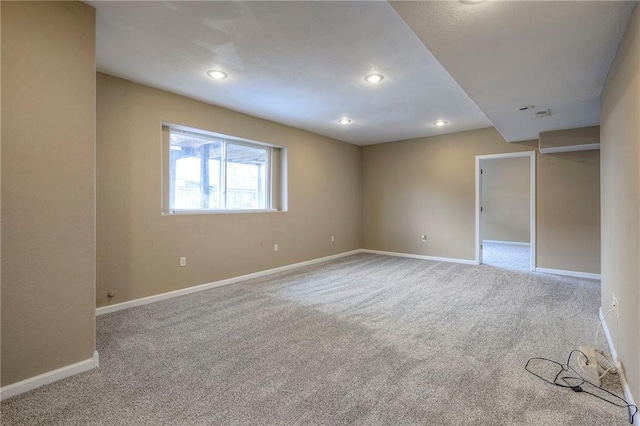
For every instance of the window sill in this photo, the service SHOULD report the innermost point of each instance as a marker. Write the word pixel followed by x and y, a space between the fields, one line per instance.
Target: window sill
pixel 189 212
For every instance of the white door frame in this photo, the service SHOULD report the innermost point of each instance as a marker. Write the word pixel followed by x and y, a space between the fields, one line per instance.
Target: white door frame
pixel 532 200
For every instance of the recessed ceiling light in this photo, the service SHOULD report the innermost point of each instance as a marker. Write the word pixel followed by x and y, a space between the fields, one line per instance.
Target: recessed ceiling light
pixel 525 107
pixel 374 78
pixel 344 121
pixel 217 74
pixel 440 123
pixel 472 1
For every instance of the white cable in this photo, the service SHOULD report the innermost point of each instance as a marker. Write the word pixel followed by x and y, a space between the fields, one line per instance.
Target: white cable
pixel 606 357
pixel 607 371
pixel 583 362
pixel 612 365
pixel 600 325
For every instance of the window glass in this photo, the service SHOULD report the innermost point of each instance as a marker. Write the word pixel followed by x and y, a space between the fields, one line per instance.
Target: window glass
pixel 246 177
pixel 210 174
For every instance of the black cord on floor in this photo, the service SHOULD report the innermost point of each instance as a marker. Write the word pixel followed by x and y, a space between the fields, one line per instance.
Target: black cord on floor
pixel 578 384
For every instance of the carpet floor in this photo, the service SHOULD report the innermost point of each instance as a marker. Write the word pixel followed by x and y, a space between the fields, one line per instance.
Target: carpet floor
pixel 362 340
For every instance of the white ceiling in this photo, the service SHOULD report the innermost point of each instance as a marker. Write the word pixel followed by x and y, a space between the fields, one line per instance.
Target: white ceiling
pixel 297 63
pixel 505 54
pixel 303 63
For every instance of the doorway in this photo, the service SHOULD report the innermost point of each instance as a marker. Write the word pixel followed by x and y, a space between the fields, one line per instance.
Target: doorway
pixel 505 210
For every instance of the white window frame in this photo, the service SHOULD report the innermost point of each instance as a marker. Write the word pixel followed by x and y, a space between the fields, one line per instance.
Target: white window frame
pixel 169 128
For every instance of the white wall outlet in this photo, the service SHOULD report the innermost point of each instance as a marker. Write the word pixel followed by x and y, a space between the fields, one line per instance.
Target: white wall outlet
pixel 275 247
pixel 333 239
pixel 423 238
pixel 616 306
pixel 183 261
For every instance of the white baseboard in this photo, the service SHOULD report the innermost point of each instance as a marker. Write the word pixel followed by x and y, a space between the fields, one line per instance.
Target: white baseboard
pixel 569 273
pixel 155 298
pixel 419 256
pixel 614 354
pixel 49 377
pixel 511 243
pixel 176 293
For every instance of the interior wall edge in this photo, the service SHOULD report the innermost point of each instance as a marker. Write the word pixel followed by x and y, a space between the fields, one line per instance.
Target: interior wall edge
pixel 35 382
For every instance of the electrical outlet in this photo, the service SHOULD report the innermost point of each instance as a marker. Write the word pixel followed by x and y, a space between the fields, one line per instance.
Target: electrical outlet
pixel 183 261
pixel 333 238
pixel 275 247
pixel 616 306
pixel 423 238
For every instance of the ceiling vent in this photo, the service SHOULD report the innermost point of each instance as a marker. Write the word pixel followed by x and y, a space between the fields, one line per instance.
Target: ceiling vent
pixel 542 114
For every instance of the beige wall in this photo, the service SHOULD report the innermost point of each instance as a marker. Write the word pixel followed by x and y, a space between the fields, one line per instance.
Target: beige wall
pixel 427 186
pixel 568 207
pixel 48 244
pixel 0 197
pixel 620 141
pixel 506 199
pixel 138 248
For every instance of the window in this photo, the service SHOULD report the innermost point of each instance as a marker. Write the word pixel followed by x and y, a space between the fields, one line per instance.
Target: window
pixel 211 173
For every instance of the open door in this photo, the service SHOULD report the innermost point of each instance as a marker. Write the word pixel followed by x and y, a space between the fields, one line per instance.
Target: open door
pixel 480 210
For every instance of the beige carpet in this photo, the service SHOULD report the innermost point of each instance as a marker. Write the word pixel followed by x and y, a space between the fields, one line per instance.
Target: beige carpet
pixel 365 340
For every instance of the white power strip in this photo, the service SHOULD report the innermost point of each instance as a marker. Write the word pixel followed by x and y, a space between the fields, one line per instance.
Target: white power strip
pixel 589 366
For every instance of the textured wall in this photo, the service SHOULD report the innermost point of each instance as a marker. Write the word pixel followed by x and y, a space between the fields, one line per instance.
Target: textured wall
pixel 138 248
pixel 506 199
pixel 568 207
pixel 427 186
pixel 48 244
pixel 620 141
